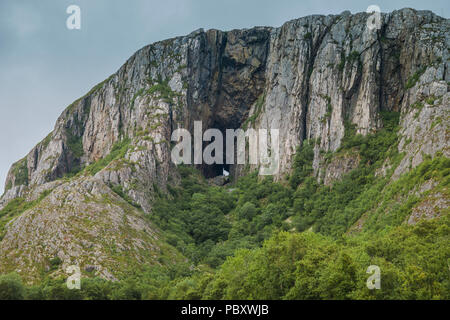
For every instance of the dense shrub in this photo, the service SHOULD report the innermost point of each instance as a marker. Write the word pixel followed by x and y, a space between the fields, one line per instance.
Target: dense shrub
pixel 260 239
pixel 11 287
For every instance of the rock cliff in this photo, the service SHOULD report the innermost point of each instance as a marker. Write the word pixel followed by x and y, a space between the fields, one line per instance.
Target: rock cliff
pixel 311 78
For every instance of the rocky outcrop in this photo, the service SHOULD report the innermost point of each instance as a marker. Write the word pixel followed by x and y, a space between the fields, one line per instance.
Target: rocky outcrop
pixel 311 78
pixel 81 223
pixel 425 122
pixel 336 168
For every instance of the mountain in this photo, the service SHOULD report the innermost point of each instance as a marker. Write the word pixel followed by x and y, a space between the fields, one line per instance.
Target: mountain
pixel 362 113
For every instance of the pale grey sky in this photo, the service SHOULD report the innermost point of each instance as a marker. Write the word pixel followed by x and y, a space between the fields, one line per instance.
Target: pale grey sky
pixel 44 66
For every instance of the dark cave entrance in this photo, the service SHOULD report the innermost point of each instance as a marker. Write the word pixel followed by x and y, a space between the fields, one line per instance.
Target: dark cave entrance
pixel 216 169
pixel 222 122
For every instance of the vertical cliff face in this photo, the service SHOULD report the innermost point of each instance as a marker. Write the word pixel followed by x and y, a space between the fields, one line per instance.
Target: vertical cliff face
pixel 313 75
pixel 209 76
pixel 312 78
pixel 326 71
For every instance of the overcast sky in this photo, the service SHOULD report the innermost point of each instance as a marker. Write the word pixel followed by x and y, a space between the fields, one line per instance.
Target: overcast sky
pixel 44 66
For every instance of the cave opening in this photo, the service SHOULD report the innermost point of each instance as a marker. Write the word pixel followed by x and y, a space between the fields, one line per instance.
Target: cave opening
pixel 222 124
pixel 214 170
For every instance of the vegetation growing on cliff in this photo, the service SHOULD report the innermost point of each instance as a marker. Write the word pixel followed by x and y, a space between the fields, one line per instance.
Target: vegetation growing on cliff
pixel 413 262
pixel 118 151
pixel 287 240
pixel 16 207
pixel 20 172
pixel 284 240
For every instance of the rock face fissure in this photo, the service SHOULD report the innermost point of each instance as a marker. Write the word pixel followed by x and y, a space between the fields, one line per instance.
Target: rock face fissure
pixel 311 78
pixel 227 75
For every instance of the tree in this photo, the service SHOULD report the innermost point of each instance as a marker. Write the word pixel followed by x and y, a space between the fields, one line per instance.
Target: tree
pixel 11 287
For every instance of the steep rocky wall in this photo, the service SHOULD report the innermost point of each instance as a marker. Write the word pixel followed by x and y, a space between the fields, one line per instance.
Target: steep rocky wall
pixel 311 76
pixel 82 223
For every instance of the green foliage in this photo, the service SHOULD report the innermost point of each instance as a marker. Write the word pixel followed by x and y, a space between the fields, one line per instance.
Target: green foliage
pixel 75 144
pixel 411 82
pixel 341 64
pixel 430 100
pixel 260 239
pixel 207 223
pixel 11 287
pixel 327 115
pixel 351 58
pixel 436 170
pixel 8 185
pixel 258 108
pixel 140 92
pixel 373 147
pixel 55 263
pixel 47 140
pixel 195 217
pixel 118 151
pixel 302 166
pixel 20 171
pixel 164 90
pixel 118 189
pixel 413 262
pixel 351 138
pixel 247 211
pixel 333 209
pixel 16 207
